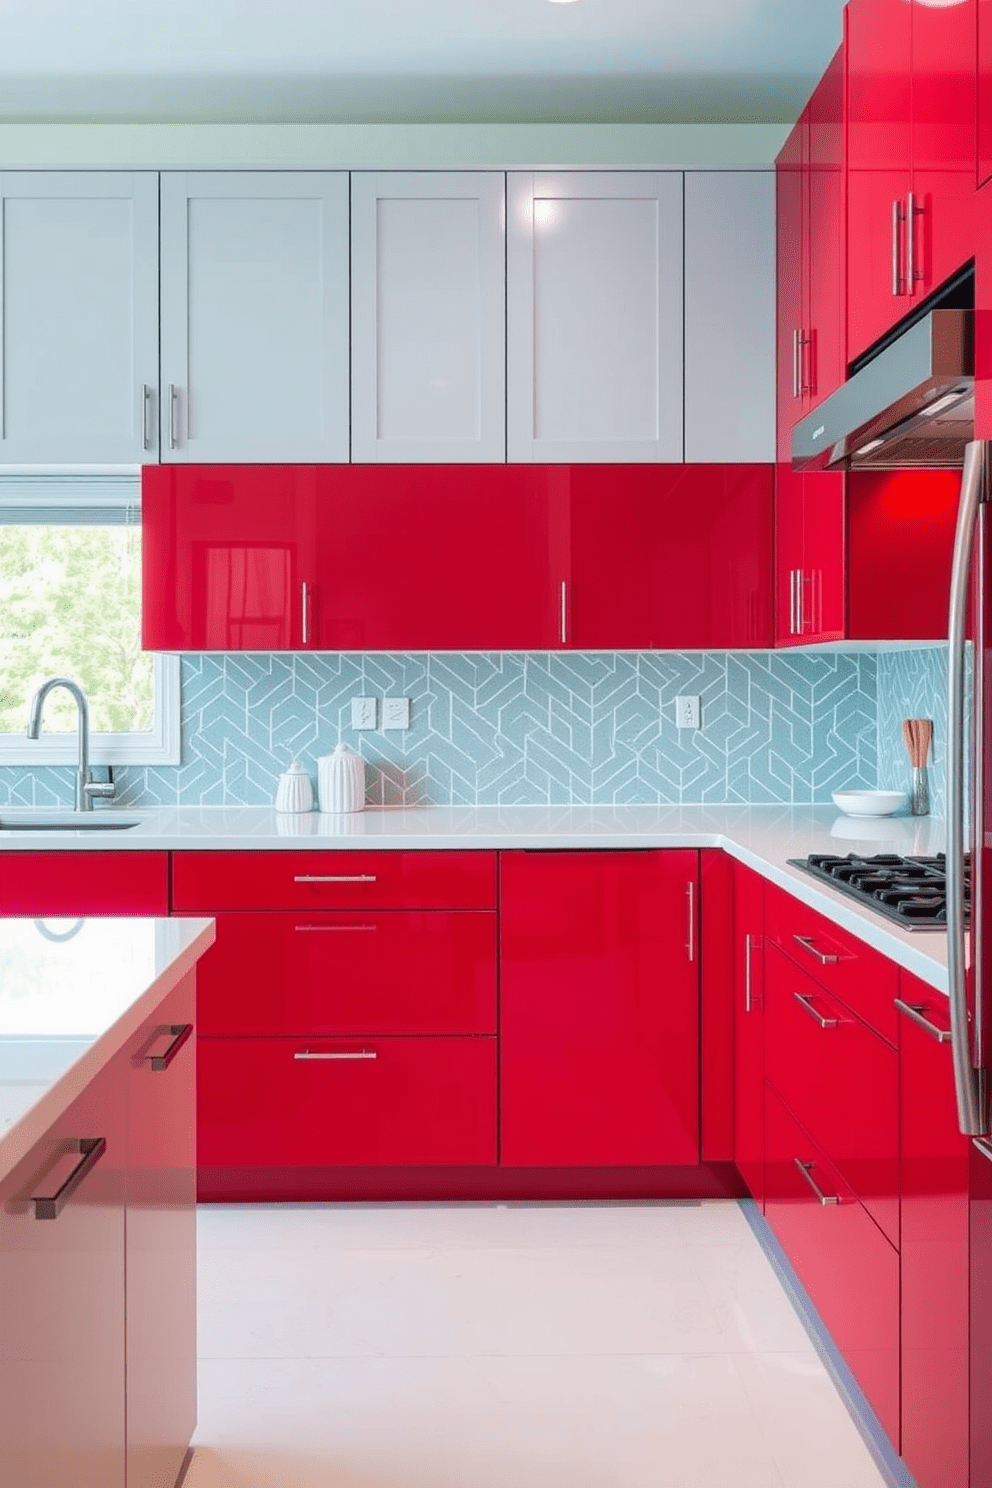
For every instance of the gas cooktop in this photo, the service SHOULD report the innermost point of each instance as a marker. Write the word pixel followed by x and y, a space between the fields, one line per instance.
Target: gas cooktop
pixel 912 892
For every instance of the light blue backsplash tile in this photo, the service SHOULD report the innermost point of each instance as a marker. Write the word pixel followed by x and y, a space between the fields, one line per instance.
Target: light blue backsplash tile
pixel 509 728
pixel 912 684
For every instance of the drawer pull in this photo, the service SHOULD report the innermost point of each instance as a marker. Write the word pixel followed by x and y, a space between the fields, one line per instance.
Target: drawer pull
pixel 354 1054
pixel 824 957
pixel 808 1007
pixel 915 1014
pixel 806 1168
pixel 50 1206
pixel 984 1147
pixel 180 1032
pixel 334 878
pixel 333 929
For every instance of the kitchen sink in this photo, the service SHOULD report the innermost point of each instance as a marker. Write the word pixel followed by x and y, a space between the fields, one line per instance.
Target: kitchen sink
pixel 65 821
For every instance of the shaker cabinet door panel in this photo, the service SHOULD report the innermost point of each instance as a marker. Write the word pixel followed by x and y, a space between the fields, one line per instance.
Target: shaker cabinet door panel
pixel 79 317
pixel 428 305
pixel 254 316
pixel 594 316
pixel 730 316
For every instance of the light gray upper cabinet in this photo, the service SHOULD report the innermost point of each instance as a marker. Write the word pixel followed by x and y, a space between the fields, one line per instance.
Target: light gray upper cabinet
pixel 428 316
pixel 594 316
pixel 730 316
pixel 254 316
pixel 78 317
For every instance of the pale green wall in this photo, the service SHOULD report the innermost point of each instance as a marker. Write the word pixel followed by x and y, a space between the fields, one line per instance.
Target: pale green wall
pixel 314 146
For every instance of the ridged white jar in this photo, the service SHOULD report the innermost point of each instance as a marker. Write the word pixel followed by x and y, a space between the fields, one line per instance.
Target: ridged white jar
pixel 294 791
pixel 341 781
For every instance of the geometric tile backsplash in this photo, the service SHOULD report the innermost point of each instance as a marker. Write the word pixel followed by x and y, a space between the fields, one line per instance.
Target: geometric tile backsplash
pixel 542 728
pixel 913 684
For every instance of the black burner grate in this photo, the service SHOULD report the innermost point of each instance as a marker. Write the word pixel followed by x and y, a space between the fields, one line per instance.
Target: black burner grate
pixel 912 892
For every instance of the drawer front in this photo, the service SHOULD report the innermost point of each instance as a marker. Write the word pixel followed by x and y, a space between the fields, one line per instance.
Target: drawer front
pixel 374 1101
pixel 843 1260
pixel 84 883
pixel 867 981
pixel 395 972
pixel 212 881
pixel 840 1079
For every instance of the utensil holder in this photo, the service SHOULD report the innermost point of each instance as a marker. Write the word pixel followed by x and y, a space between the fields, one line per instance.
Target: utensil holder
pixel 919 796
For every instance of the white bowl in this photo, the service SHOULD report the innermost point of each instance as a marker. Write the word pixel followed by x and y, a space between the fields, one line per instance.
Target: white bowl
pixel 869 802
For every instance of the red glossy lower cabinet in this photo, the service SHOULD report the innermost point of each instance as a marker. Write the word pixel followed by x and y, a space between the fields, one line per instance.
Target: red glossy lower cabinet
pixel 840 1079
pixel 295 1102
pixel 749 1043
pixel 62 1386
pixel 934 1250
pixel 846 1264
pixel 599 1008
pixel 390 972
pixel 84 883
pixel 161 1241
pixel 980 1243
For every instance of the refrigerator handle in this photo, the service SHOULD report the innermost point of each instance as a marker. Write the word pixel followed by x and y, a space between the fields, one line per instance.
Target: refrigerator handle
pixel 968 1082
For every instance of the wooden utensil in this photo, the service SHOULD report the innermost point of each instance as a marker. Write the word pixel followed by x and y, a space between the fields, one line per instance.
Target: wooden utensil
pixel 918 734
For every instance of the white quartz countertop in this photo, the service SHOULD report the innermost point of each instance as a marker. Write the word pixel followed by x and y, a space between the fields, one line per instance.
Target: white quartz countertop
pixel 763 837
pixel 72 992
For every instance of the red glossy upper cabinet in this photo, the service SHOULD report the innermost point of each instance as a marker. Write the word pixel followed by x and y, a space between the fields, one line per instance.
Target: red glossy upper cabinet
pixel 984 96
pixel 448 558
pixel 228 557
pixel 900 526
pixel 879 166
pixel 826 321
pixel 983 307
pixel 934 1247
pixel 810 557
pixel 599 1008
pixel 944 147
pixel 669 557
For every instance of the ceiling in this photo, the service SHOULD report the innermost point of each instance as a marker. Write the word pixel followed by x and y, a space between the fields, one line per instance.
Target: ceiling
pixel 351 61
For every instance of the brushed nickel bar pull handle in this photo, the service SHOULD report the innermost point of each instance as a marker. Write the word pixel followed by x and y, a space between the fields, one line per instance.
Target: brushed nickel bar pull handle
pixel 563 628
pixel 800 603
pixel 796 376
pixel 173 416
pixel 808 1007
pixel 358 1054
pixel 915 1014
pixel 897 219
pixel 147 433
pixel 747 973
pixel 825 958
pixel 335 878
pixel 50 1206
pixel 181 1032
pixel 806 1168
pixel 333 929
pixel 691 944
pixel 912 212
pixel 984 1147
pixel 792 601
pixel 305 612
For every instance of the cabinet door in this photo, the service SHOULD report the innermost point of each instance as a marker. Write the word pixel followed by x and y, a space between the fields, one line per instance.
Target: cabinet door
pixel 599 1008
pixel 944 129
pixel 822 592
pixel 669 559
pixel 826 327
pixel 729 316
pixel 62 1319
pixel 84 883
pixel 879 50
pixel 226 553
pixel 428 307
pixel 792 287
pixel 984 91
pixel 980 1266
pixel 789 490
pixel 254 316
pixel 78 317
pixel 934 1248
pixel 428 558
pixel 161 1242
pixel 749 1060
pixel 594 316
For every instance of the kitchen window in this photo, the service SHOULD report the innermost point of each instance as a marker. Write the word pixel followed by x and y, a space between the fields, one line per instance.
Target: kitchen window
pixel 70 605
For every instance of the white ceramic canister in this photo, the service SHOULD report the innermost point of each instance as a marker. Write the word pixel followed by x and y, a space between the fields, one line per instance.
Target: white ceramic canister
pixel 341 780
pixel 295 791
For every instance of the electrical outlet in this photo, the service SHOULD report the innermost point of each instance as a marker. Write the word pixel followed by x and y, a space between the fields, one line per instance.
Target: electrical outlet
pixel 363 710
pixel 687 713
pixel 395 713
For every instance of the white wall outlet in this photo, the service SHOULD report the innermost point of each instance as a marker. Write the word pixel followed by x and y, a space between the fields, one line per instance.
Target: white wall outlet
pixel 363 712
pixel 687 713
pixel 395 713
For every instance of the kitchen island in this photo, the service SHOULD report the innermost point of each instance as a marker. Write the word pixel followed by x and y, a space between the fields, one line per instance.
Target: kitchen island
pixel 97 1194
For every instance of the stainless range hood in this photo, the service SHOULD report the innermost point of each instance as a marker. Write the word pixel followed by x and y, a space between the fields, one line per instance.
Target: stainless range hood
pixel 911 407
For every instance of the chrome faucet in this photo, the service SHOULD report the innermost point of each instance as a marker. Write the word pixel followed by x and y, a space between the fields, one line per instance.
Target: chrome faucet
pixel 86 788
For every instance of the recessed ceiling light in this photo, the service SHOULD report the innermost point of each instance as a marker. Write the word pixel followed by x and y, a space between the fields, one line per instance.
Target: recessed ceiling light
pixel 561 2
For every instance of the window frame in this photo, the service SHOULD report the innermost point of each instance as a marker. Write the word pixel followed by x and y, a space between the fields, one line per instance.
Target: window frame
pixel 60 492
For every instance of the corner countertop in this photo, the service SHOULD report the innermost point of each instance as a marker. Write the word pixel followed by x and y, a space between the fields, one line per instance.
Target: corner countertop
pixel 763 837
pixel 72 992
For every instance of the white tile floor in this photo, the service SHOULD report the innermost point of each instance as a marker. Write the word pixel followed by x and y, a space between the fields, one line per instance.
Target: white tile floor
pixel 520 1346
